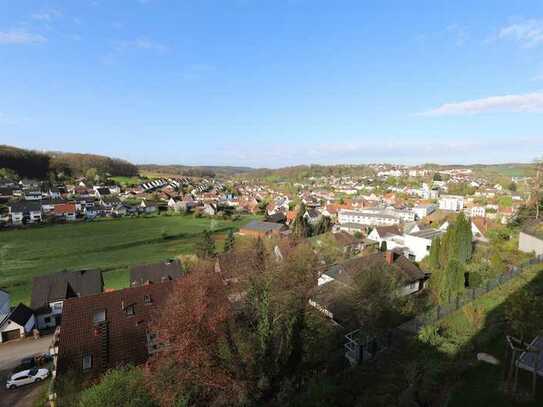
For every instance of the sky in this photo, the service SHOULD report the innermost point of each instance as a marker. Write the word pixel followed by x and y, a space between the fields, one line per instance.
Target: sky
pixel 271 83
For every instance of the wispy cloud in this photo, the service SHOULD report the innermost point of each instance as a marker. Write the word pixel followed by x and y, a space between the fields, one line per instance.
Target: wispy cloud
pixel 20 37
pixel 47 15
pixel 143 43
pixel 459 33
pixel 527 32
pixel 529 102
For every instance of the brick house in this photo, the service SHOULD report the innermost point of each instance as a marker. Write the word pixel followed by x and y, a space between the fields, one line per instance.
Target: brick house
pixel 110 329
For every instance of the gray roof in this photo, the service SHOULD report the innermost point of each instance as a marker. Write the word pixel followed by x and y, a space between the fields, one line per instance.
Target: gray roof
pixel 23 206
pixel 155 273
pixel 427 233
pixel 64 284
pixel 263 226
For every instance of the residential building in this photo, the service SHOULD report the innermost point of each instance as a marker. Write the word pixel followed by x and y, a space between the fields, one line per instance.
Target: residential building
pixel 451 203
pixel 364 218
pixel 106 330
pixel 25 212
pixel 155 273
pixel 49 292
pixel 19 323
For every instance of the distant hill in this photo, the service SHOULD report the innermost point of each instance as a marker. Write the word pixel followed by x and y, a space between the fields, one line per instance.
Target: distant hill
pixel 38 165
pixel 192 171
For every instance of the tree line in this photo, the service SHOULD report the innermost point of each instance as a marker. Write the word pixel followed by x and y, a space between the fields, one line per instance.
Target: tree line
pixel 43 165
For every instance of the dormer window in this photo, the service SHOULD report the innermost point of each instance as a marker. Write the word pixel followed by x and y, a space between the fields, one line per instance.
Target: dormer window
pixel 130 310
pixel 99 316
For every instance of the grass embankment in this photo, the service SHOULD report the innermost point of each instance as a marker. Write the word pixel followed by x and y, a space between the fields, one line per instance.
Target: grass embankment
pixel 112 245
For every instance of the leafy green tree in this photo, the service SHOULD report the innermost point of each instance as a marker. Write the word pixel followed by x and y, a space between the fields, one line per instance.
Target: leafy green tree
pixel 383 246
pixel 437 177
pixel 524 313
pixel 230 241
pixel 118 387
pixel 455 278
pixel 462 248
pixel 205 246
pixel 8 173
pixel 512 187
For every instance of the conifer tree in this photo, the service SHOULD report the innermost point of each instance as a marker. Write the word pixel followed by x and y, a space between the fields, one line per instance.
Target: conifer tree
pixel 300 227
pixel 229 242
pixel 205 246
pixel 435 253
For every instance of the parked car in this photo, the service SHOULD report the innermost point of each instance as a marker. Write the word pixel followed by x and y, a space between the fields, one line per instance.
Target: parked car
pixel 26 377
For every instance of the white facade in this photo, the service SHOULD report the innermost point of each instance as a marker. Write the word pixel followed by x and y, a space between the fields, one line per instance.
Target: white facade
pixel 422 211
pixel 477 211
pixel 451 203
pixel 346 216
pixel 23 330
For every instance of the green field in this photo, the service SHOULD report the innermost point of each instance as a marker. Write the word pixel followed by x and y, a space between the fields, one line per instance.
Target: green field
pixel 111 245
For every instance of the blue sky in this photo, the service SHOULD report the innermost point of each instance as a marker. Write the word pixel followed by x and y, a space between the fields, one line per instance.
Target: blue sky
pixel 274 83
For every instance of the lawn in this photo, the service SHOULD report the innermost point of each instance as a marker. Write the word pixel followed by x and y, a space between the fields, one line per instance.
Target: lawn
pixel 113 245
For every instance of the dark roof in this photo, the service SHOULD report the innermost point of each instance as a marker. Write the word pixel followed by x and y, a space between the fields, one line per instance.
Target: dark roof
pixel 126 334
pixel 263 226
pixel 20 315
pixel 345 239
pixel 103 191
pixel 346 271
pixel 155 273
pixel 277 217
pixel 23 206
pixel 64 284
pixel 388 230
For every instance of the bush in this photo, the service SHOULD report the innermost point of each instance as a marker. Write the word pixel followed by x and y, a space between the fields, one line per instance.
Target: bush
pixel 118 387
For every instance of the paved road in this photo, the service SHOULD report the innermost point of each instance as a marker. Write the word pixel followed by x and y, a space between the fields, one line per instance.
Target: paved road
pixel 11 354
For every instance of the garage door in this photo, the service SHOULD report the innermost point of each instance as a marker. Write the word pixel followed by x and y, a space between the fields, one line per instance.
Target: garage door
pixel 10 335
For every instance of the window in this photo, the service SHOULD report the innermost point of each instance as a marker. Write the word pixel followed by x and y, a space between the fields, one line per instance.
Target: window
pixel 147 299
pixel 47 320
pixel 57 306
pixel 130 310
pixel 99 316
pixel 87 361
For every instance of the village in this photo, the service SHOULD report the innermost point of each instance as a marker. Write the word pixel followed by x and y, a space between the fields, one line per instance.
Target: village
pixel 355 225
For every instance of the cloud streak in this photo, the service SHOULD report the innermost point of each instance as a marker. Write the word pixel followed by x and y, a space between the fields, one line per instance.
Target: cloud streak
pixel 145 44
pixel 528 102
pixel 19 37
pixel 527 32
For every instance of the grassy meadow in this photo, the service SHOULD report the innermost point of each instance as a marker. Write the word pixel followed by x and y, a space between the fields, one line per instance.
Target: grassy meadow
pixel 112 245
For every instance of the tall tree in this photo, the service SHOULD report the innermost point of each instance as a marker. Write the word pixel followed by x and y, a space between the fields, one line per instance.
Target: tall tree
pixel 230 241
pixel 434 259
pixel 300 226
pixel 205 246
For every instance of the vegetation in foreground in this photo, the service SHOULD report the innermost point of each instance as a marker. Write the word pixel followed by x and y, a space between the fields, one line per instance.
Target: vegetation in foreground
pixel 113 245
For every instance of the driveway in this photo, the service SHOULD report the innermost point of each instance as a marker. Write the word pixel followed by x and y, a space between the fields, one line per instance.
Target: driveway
pixel 11 354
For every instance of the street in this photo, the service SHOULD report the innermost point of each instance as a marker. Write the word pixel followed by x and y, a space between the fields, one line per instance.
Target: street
pixel 11 354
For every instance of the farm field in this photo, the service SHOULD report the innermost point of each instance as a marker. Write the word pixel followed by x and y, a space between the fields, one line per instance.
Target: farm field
pixel 112 245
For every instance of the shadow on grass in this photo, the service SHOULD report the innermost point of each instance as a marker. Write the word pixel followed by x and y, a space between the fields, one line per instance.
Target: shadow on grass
pixel 441 371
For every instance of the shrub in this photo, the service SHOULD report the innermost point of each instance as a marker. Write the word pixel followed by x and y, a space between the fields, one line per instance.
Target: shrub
pixel 118 387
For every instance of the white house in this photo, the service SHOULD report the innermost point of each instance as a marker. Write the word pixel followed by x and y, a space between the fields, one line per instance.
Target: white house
pixel 18 324
pixel 421 211
pixel 366 218
pixel 28 211
pixel 451 203
pixel 418 244
pixel 479 211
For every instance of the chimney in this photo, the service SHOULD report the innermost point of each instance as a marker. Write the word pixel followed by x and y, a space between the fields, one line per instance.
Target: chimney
pixel 389 256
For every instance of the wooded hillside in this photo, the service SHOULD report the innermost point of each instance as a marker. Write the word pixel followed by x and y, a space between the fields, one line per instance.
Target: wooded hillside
pixel 38 165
